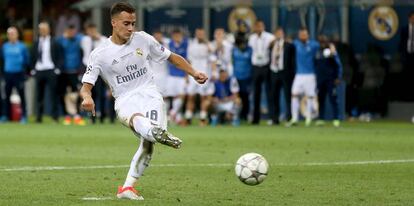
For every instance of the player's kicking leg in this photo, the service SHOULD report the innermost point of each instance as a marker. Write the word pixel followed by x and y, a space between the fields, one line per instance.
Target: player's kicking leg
pixel 153 133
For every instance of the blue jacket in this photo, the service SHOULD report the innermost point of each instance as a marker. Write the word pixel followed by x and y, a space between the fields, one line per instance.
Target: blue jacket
pixel 15 57
pixel 72 53
pixel 305 56
pixel 180 49
pixel 242 63
pixel 328 68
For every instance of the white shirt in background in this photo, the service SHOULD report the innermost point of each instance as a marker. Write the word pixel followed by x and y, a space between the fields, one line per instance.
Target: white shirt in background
pixel 88 45
pixel 276 64
pixel 198 54
pixel 260 45
pixel 47 61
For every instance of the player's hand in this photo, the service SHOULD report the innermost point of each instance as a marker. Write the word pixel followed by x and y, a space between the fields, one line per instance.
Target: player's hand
pixel 200 77
pixel 88 105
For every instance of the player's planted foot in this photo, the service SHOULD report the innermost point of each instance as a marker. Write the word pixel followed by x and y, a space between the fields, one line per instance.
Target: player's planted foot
pixel 128 193
pixel 164 137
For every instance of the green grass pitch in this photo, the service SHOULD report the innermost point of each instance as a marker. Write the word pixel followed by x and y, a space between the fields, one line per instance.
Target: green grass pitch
pixel 309 166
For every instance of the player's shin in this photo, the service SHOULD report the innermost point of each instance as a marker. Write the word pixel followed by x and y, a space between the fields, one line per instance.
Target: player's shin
pixel 139 162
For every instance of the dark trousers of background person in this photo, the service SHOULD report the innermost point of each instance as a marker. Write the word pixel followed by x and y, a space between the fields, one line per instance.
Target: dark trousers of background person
pixel 65 81
pixel 408 75
pixel 278 81
pixel 14 80
pixel 99 96
pixel 244 93
pixel 328 89
pixel 46 80
pixel 260 76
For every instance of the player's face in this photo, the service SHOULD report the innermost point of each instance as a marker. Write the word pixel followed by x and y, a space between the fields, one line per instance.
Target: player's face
pixel 91 31
pixel 44 29
pixel 223 76
pixel 200 34
pixel 219 35
pixel 12 34
pixel 70 32
pixel 280 34
pixel 259 27
pixel 411 19
pixel 303 35
pixel 123 25
pixel 177 37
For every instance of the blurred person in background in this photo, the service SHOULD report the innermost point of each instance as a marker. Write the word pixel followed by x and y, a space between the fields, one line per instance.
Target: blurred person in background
pixel 15 57
pixel 304 83
pixel 47 60
pixel 407 54
pixel 241 58
pixel 328 76
pixel 260 42
pixel 226 99
pixel 177 77
pixel 282 72
pixel 198 55
pixel 68 17
pixel 89 42
pixel 221 53
pixel 68 80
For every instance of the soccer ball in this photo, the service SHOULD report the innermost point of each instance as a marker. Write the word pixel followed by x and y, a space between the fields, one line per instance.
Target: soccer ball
pixel 251 168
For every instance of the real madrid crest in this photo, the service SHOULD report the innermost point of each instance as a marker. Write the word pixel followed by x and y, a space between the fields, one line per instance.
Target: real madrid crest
pixel 383 22
pixel 139 52
pixel 238 14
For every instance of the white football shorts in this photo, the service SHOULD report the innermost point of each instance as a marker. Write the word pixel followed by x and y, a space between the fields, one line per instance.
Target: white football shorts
pixel 205 89
pixel 175 86
pixel 146 101
pixel 304 84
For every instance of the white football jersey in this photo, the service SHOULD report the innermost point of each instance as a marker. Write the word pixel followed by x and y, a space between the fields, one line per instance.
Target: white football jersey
pixel 198 54
pixel 126 67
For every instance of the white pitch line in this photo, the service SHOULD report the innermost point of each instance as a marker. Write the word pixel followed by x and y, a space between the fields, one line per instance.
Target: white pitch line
pixel 46 168
pixel 97 198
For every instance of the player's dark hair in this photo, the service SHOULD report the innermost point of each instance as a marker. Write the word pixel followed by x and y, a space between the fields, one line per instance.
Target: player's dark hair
pixel 119 7
pixel 71 26
pixel 259 21
pixel 90 25
pixel 303 29
pixel 176 31
pixel 410 14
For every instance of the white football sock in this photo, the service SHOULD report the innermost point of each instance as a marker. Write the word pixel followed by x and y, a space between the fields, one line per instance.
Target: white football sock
pixel 143 127
pixel 295 109
pixel 130 181
pixel 309 107
pixel 176 105
pixel 139 162
pixel 203 115
pixel 188 114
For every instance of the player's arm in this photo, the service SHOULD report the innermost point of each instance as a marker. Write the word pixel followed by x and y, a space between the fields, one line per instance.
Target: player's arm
pixel 86 94
pixel 183 64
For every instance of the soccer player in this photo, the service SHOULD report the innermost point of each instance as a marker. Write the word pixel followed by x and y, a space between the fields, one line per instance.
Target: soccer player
pixel 177 78
pixel 304 82
pixel 123 62
pixel 226 98
pixel 198 54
